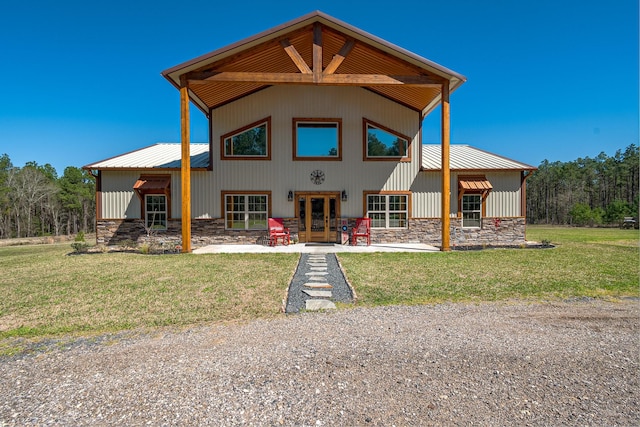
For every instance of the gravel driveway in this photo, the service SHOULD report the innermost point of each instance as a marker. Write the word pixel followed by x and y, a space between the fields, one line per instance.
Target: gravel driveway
pixel 573 363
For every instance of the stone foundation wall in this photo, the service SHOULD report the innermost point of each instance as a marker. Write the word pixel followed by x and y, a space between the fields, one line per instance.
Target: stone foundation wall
pixel 203 232
pixel 494 232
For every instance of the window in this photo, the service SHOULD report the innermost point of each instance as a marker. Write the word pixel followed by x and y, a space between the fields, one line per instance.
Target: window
pixel 154 192
pixel 156 211
pixel 382 143
pixel 472 194
pixel 388 210
pixel 471 210
pixel 252 142
pixel 317 139
pixel 246 211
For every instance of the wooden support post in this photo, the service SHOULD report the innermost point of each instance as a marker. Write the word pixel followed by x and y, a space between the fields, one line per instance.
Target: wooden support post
pixel 446 174
pixel 185 168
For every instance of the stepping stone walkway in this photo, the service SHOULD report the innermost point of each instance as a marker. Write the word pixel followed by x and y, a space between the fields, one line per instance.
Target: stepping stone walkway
pixel 317 284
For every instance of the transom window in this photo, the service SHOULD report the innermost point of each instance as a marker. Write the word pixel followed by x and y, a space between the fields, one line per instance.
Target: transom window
pixel 382 143
pixel 471 210
pixel 388 210
pixel 317 139
pixel 250 142
pixel 156 211
pixel 246 211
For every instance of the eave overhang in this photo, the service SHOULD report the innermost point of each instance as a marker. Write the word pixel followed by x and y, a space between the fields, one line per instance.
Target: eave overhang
pixel 315 49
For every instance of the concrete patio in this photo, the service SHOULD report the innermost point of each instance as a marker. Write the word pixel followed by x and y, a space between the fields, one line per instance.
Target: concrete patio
pixel 323 248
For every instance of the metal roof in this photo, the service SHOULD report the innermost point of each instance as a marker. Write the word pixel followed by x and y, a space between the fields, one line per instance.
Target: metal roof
pixel 313 49
pixel 161 156
pixel 167 156
pixel 465 157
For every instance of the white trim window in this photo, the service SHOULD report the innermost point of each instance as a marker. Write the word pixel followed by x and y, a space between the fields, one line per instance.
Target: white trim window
pixel 246 211
pixel 471 210
pixel 388 210
pixel 155 211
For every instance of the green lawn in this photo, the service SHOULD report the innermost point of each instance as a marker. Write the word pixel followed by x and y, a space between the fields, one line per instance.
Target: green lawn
pixel 48 292
pixel 602 263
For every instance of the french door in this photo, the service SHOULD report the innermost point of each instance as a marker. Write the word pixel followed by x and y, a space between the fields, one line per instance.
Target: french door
pixel 317 215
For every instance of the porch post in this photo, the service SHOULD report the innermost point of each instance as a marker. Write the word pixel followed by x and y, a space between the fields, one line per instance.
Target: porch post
pixel 446 175
pixel 185 168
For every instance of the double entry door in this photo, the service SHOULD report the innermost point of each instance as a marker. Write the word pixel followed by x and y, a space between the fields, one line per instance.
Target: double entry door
pixel 317 215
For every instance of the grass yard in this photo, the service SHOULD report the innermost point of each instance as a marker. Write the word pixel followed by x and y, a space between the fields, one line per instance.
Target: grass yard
pixel 47 292
pixel 601 263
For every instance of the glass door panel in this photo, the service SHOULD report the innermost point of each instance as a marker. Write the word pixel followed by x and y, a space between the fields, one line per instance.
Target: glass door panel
pixel 317 214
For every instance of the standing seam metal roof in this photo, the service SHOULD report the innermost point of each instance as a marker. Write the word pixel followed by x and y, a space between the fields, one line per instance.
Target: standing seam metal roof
pixel 465 157
pixel 158 156
pixel 168 156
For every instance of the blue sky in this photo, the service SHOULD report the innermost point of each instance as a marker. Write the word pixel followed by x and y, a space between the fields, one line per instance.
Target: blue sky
pixel 550 79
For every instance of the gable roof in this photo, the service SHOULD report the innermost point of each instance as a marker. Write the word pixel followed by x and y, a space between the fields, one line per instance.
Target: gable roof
pixel 167 156
pixel 313 49
pixel 465 157
pixel 161 156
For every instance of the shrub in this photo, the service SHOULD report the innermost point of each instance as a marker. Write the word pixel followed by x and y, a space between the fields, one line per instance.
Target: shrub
pixel 80 237
pixel 80 247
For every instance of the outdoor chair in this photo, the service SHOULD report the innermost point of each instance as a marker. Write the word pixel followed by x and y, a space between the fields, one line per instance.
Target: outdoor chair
pixel 362 229
pixel 277 230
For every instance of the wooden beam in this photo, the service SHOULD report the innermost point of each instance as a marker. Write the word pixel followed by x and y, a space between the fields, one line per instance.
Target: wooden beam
pixel 378 80
pixel 260 78
pixel 317 52
pixel 295 57
pixel 309 79
pixel 446 173
pixel 185 169
pixel 339 57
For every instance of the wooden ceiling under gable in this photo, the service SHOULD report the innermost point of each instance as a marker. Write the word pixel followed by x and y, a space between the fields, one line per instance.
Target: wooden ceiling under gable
pixel 313 50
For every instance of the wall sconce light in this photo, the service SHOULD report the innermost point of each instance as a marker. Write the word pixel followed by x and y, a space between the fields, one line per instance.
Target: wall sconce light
pixel 344 195
pixel 290 196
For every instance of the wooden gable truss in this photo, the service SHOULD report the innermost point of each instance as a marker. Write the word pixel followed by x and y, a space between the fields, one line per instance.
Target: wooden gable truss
pixel 315 49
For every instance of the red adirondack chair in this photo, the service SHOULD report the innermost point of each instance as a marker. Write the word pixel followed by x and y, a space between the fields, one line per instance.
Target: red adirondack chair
pixel 362 229
pixel 277 230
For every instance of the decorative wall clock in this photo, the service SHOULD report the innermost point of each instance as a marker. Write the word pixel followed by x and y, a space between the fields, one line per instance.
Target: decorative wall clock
pixel 317 177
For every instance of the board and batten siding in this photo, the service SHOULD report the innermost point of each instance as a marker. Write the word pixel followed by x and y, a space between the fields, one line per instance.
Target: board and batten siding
pixel 503 200
pixel 281 174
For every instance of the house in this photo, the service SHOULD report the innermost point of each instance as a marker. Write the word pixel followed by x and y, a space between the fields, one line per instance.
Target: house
pixel 318 123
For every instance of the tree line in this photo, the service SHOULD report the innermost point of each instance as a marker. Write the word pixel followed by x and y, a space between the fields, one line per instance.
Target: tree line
pixel 586 191
pixel 34 201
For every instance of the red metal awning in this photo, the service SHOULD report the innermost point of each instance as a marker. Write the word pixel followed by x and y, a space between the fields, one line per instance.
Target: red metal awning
pixel 475 184
pixel 148 183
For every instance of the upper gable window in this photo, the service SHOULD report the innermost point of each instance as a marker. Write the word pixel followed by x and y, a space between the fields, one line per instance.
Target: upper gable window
pixel 252 142
pixel 382 143
pixel 317 139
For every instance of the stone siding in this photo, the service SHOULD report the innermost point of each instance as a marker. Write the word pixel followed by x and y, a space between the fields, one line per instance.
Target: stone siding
pixel 494 232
